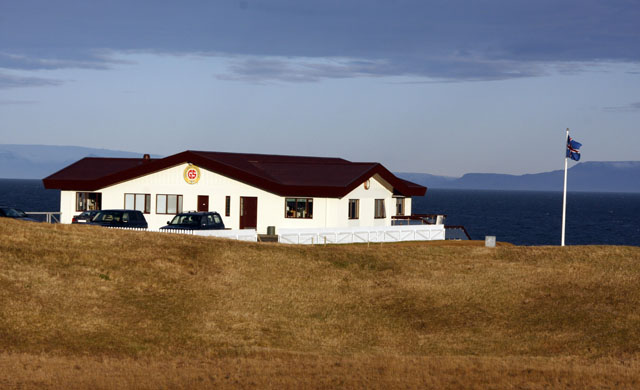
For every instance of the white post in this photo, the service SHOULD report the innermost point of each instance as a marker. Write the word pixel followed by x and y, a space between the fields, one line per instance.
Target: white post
pixel 564 194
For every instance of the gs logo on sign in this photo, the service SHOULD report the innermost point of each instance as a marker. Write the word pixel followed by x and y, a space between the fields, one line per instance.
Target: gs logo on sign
pixel 191 174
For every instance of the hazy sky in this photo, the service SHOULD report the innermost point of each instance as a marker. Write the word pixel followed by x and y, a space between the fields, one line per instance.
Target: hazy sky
pixel 444 87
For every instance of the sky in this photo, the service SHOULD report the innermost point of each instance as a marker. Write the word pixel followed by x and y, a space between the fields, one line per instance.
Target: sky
pixel 443 87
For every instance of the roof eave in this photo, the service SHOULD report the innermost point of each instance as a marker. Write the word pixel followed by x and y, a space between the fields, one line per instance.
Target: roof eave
pixel 398 184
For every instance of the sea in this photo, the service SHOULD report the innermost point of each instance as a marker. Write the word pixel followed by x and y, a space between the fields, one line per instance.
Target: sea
pixel 518 217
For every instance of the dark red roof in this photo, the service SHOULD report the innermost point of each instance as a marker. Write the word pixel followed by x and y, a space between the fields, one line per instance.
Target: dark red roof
pixel 281 175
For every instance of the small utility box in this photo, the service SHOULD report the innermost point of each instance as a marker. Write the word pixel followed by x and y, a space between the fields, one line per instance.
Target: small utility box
pixel 490 241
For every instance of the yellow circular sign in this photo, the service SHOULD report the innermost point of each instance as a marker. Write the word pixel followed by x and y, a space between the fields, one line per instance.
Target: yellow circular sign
pixel 191 174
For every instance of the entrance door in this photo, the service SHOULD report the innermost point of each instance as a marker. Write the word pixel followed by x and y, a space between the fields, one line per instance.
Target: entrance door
pixel 203 203
pixel 248 212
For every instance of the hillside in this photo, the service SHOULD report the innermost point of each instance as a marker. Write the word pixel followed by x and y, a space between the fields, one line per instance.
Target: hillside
pixel 86 307
pixel 38 161
pixel 592 176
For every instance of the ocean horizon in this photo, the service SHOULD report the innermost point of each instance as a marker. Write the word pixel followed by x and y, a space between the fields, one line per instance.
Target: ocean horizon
pixel 518 217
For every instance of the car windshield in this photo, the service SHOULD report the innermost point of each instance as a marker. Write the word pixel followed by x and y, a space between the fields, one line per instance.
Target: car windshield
pixel 191 220
pixel 108 216
pixel 15 213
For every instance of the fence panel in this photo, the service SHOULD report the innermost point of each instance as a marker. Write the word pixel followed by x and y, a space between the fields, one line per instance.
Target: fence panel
pixel 240 234
pixel 362 235
pixel 289 238
pixel 437 235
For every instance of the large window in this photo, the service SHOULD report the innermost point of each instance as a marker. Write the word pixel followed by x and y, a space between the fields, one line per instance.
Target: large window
pixel 298 208
pixel 140 202
pixel 399 206
pixel 379 209
pixel 354 208
pixel 168 204
pixel 88 201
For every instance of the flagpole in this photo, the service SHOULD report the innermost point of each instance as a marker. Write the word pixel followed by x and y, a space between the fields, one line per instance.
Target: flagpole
pixel 564 194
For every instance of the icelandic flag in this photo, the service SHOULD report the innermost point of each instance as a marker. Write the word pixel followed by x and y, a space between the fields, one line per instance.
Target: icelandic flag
pixel 573 149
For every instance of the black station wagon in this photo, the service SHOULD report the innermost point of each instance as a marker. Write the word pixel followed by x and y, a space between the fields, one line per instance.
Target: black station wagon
pixel 120 218
pixel 196 221
pixel 10 212
pixel 85 216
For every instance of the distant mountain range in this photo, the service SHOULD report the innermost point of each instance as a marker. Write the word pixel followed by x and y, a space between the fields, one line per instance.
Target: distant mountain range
pixel 39 161
pixel 592 176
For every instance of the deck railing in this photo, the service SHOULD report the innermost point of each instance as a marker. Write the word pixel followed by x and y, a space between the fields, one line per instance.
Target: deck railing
pixel 45 216
pixel 418 219
pixel 456 232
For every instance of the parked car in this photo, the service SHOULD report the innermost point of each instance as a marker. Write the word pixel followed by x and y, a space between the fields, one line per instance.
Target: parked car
pixel 10 212
pixel 120 218
pixel 85 216
pixel 196 221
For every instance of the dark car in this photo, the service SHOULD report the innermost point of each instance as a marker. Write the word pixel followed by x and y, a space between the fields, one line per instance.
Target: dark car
pixel 120 218
pixel 85 216
pixel 196 221
pixel 10 212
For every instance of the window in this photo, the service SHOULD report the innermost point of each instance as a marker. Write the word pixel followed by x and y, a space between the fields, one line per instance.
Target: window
pixel 298 208
pixel 140 202
pixel 354 208
pixel 88 201
pixel 168 204
pixel 379 209
pixel 399 206
pixel 227 206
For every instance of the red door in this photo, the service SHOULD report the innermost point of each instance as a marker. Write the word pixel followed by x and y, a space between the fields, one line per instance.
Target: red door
pixel 203 203
pixel 248 212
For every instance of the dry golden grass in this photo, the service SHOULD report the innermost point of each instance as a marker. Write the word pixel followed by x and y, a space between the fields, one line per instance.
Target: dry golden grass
pixel 295 371
pixel 86 307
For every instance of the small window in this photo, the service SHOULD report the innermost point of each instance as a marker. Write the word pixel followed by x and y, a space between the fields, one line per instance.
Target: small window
pixel 399 206
pixel 298 208
pixel 227 206
pixel 88 201
pixel 168 204
pixel 140 202
pixel 354 208
pixel 379 209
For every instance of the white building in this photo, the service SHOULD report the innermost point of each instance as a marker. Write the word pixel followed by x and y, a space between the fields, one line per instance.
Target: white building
pixel 247 190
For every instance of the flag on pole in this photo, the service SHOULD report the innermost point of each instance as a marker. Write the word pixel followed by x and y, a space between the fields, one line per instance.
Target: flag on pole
pixel 573 149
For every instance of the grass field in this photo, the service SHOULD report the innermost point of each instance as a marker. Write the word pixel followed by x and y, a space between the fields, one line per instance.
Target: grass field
pixel 86 307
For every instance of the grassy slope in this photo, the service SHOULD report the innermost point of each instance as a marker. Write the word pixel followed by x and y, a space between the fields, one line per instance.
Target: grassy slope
pixel 541 315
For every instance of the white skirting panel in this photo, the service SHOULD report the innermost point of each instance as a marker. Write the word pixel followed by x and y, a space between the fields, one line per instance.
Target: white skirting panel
pixel 237 234
pixel 362 234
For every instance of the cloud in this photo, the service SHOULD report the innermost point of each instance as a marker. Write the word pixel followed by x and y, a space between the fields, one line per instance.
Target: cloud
pixel 58 60
pixel 632 107
pixel 11 81
pixel 260 69
pixel 292 40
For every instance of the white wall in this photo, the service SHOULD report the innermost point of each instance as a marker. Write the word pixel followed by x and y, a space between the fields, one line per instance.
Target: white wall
pixel 327 212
